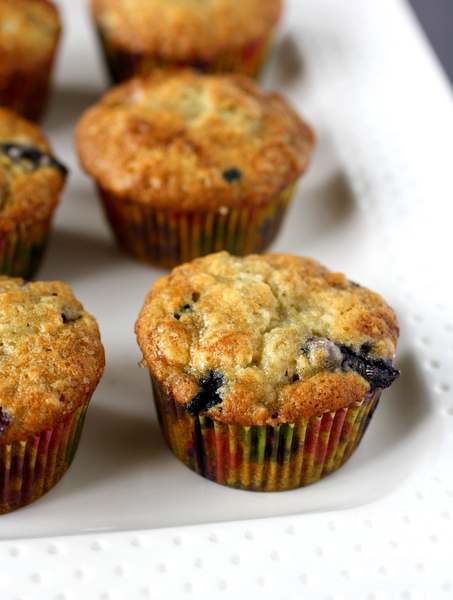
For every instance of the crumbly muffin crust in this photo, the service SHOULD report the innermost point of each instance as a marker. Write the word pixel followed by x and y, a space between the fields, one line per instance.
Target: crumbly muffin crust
pixel 30 178
pixel 29 29
pixel 187 141
pixel 51 356
pixel 265 339
pixel 184 29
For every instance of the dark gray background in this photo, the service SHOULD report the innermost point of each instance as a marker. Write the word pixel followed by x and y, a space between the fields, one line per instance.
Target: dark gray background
pixel 436 17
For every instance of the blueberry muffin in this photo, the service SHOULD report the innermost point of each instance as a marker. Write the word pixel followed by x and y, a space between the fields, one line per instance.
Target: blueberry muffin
pixel 29 36
pixel 188 164
pixel 265 369
pixel 211 35
pixel 51 361
pixel 31 180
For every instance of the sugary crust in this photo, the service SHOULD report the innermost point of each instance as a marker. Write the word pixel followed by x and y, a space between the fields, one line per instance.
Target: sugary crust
pixel 247 319
pixel 27 194
pixel 183 29
pixel 167 140
pixel 51 356
pixel 29 31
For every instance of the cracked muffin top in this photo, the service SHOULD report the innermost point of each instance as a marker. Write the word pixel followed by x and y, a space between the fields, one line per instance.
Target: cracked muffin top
pixel 28 29
pixel 183 140
pixel 51 356
pixel 181 29
pixel 30 177
pixel 265 339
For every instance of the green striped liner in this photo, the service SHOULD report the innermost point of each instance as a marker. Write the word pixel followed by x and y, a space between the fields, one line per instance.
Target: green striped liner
pixel 169 238
pixel 122 65
pixel 263 458
pixel 29 468
pixel 22 248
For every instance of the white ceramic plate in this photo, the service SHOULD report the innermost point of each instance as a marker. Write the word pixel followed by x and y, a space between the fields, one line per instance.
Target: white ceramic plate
pixel 128 520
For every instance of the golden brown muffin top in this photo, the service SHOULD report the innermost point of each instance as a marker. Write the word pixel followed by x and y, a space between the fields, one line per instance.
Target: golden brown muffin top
pixel 51 356
pixel 185 29
pixel 28 29
pixel 187 141
pixel 265 339
pixel 30 177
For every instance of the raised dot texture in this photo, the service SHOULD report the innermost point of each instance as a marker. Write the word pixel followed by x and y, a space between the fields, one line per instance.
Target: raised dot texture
pixel 97 546
pixel 222 584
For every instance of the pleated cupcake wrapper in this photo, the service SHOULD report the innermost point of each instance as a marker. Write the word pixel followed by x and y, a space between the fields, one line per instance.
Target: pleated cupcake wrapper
pixel 27 91
pixel 21 249
pixel 167 238
pixel 123 65
pixel 264 458
pixel 31 467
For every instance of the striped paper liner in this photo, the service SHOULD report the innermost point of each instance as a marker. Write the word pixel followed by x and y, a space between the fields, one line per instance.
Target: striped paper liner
pixel 122 65
pixel 22 248
pixel 26 90
pixel 264 458
pixel 169 238
pixel 29 468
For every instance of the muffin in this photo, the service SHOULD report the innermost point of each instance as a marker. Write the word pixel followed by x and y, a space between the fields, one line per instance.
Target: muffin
pixel 188 164
pixel 265 369
pixel 210 35
pixel 31 180
pixel 29 36
pixel 51 362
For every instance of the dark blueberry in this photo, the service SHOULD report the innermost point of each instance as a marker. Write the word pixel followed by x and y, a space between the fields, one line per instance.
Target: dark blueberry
pixel 69 315
pixel 377 371
pixel 365 348
pixel 231 174
pixel 332 353
pixel 17 152
pixel 185 308
pixel 354 284
pixel 208 395
pixel 5 421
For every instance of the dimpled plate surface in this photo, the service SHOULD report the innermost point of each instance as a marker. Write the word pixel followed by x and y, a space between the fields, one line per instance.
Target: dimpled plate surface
pixel 129 521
